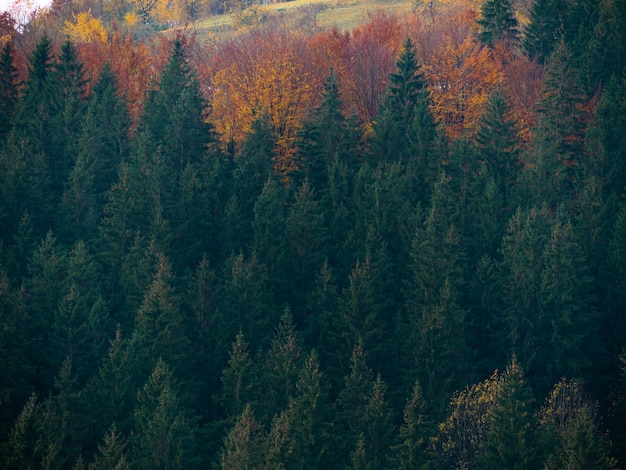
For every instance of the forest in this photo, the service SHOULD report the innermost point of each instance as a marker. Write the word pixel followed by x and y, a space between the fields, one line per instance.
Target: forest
pixel 400 246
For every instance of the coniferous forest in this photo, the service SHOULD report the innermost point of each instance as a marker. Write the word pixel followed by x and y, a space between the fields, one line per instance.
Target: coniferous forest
pixel 397 247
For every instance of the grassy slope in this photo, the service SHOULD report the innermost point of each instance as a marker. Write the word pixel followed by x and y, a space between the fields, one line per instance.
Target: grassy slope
pixel 319 14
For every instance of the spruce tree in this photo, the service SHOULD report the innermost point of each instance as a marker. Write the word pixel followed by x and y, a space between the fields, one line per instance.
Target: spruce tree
pixel 245 446
pixel 237 379
pixel 306 239
pixel 497 145
pixel 8 89
pixel 101 147
pixel 111 453
pixel 511 441
pixel 545 28
pixel 280 371
pixel 163 435
pixel 405 97
pixel 411 450
pixel 70 78
pixel 325 138
pixel 36 141
pixel 498 23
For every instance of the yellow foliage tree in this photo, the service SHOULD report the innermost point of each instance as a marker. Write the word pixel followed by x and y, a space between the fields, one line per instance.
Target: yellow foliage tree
pixel 461 436
pixel 86 28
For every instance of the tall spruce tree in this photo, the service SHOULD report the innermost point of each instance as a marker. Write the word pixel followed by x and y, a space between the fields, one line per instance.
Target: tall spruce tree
pixel 70 78
pixel 545 28
pixel 8 89
pixel 36 142
pixel 406 94
pixel 102 146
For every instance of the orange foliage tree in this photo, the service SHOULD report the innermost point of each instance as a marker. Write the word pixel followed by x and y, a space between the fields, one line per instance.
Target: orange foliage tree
pixel 461 76
pixel 131 61
pixel 265 73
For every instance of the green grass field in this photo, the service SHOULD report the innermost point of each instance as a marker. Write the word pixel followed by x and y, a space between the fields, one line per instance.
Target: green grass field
pixel 302 14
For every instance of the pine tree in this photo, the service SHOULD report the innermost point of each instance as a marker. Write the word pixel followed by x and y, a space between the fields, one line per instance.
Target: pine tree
pixel 498 23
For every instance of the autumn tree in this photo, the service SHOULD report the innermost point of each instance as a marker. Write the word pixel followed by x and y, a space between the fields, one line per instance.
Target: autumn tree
pixel 264 73
pixel 461 74
pixel 461 436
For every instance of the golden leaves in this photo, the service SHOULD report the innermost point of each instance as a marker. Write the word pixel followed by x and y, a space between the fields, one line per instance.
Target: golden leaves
pixel 86 29
pixel 264 74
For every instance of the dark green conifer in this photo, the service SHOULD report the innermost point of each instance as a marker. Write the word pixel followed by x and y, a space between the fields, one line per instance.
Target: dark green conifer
pixel 8 89
pixel 498 23
pixel 511 441
pixel 545 28
pixel 163 435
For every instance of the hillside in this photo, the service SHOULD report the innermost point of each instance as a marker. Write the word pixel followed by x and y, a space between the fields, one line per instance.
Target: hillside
pixel 308 15
pixel 313 236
